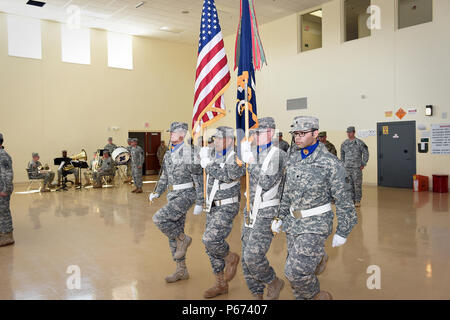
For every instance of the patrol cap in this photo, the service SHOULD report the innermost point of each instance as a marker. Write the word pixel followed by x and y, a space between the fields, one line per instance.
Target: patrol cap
pixel 304 123
pixel 265 123
pixel 129 140
pixel 224 132
pixel 322 134
pixel 35 154
pixel 109 138
pixel 176 126
pixel 351 129
pixel 134 140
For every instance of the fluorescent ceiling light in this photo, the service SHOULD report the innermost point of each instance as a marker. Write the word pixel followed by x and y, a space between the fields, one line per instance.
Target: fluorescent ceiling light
pixel 171 30
pixel 317 13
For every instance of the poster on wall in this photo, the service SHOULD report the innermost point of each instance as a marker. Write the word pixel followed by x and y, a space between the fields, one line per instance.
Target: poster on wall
pixel 366 133
pixel 440 138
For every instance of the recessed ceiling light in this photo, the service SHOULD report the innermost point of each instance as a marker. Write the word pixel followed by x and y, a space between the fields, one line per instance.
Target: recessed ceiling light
pixel 36 3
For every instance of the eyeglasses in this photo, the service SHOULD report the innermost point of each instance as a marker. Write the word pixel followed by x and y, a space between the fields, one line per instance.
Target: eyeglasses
pixel 301 134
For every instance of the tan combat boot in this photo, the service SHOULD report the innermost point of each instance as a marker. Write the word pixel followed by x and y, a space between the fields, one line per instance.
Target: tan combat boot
pixel 183 242
pixel 133 191
pixel 231 263
pixel 220 287
pixel 180 273
pixel 258 296
pixel 323 295
pixel 274 288
pixel 6 239
pixel 138 190
pixel 322 265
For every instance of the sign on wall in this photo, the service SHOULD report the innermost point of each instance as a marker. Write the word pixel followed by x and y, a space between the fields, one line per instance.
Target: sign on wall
pixel 440 138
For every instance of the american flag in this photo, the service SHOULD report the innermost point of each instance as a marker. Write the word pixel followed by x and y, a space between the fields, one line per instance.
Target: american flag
pixel 213 75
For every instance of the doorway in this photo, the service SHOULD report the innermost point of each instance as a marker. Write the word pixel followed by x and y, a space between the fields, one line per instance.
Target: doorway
pixel 149 142
pixel 396 154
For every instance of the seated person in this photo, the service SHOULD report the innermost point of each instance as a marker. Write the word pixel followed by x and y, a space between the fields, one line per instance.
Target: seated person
pixel 92 168
pixel 73 171
pixel 105 168
pixel 37 172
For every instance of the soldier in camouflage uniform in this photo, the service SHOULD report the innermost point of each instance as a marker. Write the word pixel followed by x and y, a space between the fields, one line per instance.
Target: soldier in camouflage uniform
pixel 105 168
pixel 6 189
pixel 137 160
pixel 73 171
pixel 47 175
pixel 128 171
pixel 182 175
pixel 313 178
pixel 161 152
pixel 222 206
pixel 330 147
pixel 266 167
pixel 110 146
pixel 354 155
pixel 280 143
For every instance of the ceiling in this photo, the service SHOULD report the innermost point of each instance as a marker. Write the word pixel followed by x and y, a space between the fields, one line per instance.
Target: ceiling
pixel 148 19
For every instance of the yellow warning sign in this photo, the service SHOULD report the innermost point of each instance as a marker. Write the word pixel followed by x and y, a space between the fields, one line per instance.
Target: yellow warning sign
pixel 385 130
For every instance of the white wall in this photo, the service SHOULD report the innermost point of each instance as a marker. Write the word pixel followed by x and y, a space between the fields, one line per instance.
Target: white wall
pixel 48 105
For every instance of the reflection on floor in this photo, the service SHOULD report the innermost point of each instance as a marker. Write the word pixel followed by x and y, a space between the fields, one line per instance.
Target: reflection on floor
pixel 109 234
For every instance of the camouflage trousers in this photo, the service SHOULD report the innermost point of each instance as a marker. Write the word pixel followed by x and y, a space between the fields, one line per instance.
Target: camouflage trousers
pixel 171 218
pixel 305 252
pixel 97 176
pixel 48 177
pixel 219 222
pixel 256 242
pixel 355 175
pixel 5 215
pixel 137 176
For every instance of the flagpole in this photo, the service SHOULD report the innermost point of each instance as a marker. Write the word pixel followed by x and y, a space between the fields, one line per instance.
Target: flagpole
pixel 205 187
pixel 247 177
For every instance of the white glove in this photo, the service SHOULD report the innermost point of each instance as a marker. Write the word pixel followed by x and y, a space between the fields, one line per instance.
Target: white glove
pixel 205 152
pixel 205 159
pixel 204 162
pixel 246 152
pixel 153 196
pixel 338 241
pixel 276 226
pixel 198 209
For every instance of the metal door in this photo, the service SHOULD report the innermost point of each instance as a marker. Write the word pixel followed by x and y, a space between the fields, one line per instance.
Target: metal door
pixel 396 154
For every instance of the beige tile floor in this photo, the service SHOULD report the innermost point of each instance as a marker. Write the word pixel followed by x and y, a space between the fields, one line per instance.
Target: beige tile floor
pixel 110 235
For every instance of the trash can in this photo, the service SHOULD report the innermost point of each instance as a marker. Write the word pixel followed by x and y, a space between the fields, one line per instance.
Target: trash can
pixel 440 183
pixel 420 183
